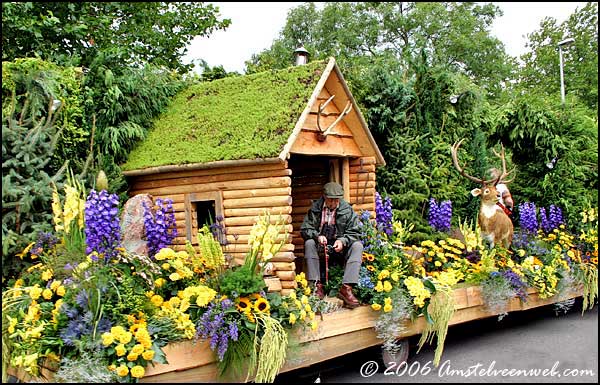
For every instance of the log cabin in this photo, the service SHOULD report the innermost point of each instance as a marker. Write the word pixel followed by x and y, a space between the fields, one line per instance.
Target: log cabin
pixel 238 146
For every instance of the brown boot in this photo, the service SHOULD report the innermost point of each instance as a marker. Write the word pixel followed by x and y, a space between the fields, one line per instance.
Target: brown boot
pixel 319 291
pixel 346 295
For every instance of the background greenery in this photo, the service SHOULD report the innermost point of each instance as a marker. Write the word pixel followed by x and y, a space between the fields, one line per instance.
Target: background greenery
pixel 115 66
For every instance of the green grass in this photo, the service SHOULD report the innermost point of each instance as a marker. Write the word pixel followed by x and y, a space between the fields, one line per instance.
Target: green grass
pixel 244 117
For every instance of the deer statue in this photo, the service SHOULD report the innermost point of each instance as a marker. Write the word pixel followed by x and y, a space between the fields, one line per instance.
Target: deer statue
pixel 496 227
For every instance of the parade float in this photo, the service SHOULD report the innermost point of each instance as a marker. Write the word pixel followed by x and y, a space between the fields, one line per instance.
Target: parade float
pixel 199 277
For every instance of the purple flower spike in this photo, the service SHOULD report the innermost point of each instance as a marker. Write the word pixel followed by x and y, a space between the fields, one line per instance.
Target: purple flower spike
pixel 102 228
pixel 160 225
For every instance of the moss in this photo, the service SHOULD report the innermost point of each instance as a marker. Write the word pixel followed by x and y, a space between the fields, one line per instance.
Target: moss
pixel 243 117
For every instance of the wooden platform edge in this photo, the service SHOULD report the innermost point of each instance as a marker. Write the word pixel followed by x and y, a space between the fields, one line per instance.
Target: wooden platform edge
pixel 341 332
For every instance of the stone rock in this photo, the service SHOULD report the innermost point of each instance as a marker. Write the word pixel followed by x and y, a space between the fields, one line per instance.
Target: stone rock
pixel 132 224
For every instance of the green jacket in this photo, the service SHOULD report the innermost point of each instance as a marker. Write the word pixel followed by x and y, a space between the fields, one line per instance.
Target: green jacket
pixel 346 222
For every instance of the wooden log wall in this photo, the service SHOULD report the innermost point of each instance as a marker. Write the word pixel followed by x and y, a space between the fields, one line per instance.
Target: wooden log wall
pixel 244 192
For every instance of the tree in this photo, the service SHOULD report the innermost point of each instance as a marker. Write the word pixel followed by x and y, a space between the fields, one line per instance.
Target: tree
pixel 541 70
pixel 453 35
pixel 75 32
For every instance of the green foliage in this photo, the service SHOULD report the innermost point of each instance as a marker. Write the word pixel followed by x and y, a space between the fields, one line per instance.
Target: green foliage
pixel 568 135
pixel 541 71
pixel 232 118
pixel 454 35
pixel 29 138
pixel 70 33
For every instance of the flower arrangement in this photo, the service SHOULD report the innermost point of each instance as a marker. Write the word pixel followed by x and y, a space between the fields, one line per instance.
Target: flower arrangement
pixel 92 310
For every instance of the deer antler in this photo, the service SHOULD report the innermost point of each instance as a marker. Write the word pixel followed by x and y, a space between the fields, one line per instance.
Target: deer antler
pixel 453 151
pixel 504 174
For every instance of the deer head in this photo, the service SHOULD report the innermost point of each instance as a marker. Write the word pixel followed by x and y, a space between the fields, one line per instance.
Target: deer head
pixel 496 227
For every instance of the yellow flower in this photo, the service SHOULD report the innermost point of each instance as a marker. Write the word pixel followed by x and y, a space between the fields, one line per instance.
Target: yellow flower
pixel 35 292
pixel 54 285
pixel 307 290
pixel 47 275
pixel 314 325
pixel 175 276
pixel 47 294
pixel 122 370
pixel 376 306
pixel 148 355
pixel 137 349
pixel 12 323
pixel 243 304
pixel 120 350
pixel 132 356
pixel 292 318
pixel 262 305
pixel 137 371
pixel 125 337
pixel 379 287
pixel 370 268
pixel 107 339
pixel 159 282
pixel 304 300
pixel 205 295
pixel 387 308
pixel 60 291
pixel 156 300
pixel 395 276
pixel 383 274
pixel 387 286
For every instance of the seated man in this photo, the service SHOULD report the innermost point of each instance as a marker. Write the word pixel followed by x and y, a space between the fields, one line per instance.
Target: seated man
pixel 332 223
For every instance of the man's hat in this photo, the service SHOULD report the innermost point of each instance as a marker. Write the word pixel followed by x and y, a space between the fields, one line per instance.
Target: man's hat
pixel 333 190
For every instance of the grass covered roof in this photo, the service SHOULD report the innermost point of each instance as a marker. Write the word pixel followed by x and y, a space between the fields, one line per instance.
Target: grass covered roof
pixel 243 117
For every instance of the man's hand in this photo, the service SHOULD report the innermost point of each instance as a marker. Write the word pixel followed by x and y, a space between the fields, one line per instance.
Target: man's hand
pixel 322 240
pixel 338 245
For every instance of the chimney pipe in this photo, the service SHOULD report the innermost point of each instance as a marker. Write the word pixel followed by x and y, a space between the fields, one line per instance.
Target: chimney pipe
pixel 301 55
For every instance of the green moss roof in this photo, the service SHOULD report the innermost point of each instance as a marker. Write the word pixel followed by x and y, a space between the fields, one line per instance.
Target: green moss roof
pixel 243 117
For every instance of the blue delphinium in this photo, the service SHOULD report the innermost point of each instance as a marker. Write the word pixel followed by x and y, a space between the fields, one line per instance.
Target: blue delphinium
pixel 383 214
pixel 371 238
pixel 440 216
pixel 544 224
pixel 159 223
pixel 555 217
pixel 527 217
pixel 102 228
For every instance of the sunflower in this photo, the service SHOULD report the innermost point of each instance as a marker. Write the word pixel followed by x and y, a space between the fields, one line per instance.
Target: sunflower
pixel 370 268
pixel 249 315
pixel 261 305
pixel 243 304
pixel 369 257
